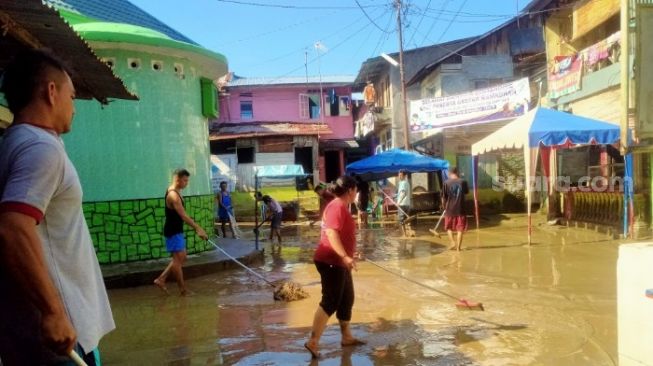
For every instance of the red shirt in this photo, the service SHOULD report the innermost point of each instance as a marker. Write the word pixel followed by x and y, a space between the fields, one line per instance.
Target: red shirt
pixel 337 217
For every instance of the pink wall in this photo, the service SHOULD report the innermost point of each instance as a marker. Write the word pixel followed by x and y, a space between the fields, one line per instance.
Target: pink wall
pixel 281 104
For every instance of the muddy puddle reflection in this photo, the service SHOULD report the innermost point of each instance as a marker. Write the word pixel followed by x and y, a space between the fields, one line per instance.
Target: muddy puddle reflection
pixel 553 303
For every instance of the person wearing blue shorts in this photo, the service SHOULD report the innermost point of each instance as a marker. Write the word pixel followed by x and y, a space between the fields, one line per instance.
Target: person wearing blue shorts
pixel 173 231
pixel 223 200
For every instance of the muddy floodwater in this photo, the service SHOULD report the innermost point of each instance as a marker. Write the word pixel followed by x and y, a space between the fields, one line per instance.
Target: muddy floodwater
pixel 551 303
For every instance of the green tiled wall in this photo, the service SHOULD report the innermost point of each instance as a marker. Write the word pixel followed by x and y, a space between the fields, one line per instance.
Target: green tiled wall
pixel 125 231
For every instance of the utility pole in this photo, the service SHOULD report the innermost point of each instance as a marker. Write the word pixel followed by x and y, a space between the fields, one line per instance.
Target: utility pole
pixel 402 77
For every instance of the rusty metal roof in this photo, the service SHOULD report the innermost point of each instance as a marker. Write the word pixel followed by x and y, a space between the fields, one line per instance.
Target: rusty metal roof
pixel 31 24
pixel 229 131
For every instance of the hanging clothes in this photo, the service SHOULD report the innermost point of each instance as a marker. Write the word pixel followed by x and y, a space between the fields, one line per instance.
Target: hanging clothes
pixel 369 94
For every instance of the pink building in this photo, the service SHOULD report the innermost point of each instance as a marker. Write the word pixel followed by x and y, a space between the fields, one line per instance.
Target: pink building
pixel 268 121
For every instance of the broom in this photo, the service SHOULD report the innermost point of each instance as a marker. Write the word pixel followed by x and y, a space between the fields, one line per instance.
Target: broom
pixel 435 229
pixel 77 359
pixel 461 304
pixel 234 225
pixel 286 291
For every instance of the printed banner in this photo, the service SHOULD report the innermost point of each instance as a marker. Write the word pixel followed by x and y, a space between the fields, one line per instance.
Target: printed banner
pixel 480 106
pixel 564 77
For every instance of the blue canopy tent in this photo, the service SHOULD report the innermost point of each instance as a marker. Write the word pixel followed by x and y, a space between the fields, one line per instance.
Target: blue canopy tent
pixel 547 128
pixel 272 172
pixel 388 163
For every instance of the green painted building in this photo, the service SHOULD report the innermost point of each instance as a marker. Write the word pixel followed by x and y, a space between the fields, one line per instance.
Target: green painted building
pixel 125 152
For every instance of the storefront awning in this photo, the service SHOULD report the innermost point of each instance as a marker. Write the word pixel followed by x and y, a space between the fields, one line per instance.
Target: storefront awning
pixel 229 131
pixel 338 144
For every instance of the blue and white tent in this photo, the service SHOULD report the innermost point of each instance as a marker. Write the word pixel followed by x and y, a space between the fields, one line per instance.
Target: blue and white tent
pixel 546 128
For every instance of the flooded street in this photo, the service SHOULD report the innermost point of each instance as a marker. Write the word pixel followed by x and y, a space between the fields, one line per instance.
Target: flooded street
pixel 553 303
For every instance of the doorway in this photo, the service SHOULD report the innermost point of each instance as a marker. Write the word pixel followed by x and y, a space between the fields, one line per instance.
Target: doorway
pixel 331 165
pixel 304 157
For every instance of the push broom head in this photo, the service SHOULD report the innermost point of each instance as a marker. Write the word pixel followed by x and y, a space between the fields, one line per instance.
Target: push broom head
pixel 463 304
pixel 289 291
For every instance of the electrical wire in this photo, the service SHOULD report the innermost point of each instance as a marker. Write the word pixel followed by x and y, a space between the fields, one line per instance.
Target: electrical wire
pixel 444 6
pixel 452 20
pixel 304 47
pixel 419 23
pixel 368 17
pixel 383 37
pixel 285 6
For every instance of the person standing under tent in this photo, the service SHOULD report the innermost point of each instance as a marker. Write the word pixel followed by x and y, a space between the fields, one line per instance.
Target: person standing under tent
pixel 225 211
pixel 173 231
pixel 334 260
pixel 362 199
pixel 53 297
pixel 453 201
pixel 404 195
pixel 275 213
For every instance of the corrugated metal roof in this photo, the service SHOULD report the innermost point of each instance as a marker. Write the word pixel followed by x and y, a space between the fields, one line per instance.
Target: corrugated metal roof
pixel 119 11
pixel 31 24
pixel 414 60
pixel 228 131
pixel 290 80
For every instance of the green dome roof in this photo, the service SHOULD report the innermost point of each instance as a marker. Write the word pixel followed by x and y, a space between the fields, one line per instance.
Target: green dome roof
pixel 117 29
pixel 128 33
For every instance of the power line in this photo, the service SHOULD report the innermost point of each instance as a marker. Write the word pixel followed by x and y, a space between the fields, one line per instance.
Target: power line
pixel 368 17
pixel 444 6
pixel 381 40
pixel 263 34
pixel 304 47
pixel 325 53
pixel 419 23
pixel 452 20
pixel 286 6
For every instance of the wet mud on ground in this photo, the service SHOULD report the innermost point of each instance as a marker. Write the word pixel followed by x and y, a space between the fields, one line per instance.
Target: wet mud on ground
pixel 551 303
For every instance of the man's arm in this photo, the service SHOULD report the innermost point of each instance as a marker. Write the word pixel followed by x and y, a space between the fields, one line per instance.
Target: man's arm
pixel 21 255
pixel 175 200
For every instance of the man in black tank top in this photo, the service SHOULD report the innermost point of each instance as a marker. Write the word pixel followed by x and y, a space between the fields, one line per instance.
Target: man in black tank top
pixel 173 231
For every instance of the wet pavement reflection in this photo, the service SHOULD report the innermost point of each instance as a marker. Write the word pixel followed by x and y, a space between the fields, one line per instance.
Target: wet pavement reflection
pixel 551 303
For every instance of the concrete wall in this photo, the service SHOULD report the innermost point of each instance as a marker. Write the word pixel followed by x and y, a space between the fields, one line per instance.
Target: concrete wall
pixel 129 149
pixel 125 154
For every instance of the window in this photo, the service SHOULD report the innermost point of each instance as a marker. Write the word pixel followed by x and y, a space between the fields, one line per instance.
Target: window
pixel 344 106
pixel 384 96
pixel 157 65
pixel 309 106
pixel 327 105
pixel 245 155
pixel 134 63
pixel 246 109
pixel 222 147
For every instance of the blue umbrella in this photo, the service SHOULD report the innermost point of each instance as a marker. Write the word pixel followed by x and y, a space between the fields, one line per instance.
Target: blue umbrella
pixel 388 163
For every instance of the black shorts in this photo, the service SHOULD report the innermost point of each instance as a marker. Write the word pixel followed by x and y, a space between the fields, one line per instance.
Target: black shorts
pixel 275 221
pixel 337 290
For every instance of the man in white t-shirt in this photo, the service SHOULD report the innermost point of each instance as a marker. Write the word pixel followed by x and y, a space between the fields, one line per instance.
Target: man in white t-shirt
pixel 404 197
pixel 53 298
pixel 275 213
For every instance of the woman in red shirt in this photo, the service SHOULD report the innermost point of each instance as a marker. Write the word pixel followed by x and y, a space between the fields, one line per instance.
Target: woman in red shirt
pixel 334 261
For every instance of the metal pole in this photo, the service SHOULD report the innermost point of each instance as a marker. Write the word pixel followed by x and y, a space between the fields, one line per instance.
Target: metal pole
pixel 403 81
pixel 255 211
pixel 625 73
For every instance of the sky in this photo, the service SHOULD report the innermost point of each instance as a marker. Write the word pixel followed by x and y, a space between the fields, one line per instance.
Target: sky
pixel 275 38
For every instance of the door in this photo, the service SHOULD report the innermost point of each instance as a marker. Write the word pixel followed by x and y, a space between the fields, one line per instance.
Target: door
pixel 304 157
